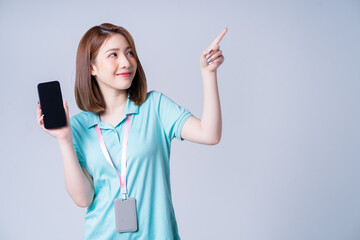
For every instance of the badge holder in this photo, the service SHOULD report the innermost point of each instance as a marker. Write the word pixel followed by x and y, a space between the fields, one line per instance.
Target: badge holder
pixel 125 208
pixel 125 215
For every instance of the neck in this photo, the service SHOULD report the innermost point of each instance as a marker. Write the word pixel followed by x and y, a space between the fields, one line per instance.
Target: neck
pixel 115 103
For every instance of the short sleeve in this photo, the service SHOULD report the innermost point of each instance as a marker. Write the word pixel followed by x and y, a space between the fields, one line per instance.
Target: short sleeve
pixel 171 115
pixel 76 142
pixel 79 155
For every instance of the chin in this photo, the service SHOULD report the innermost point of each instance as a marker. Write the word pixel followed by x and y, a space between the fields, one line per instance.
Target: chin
pixel 125 86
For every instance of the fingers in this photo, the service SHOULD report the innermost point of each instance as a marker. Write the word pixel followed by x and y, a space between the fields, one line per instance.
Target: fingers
pixel 66 107
pixel 218 39
pixel 209 52
pixel 219 60
pixel 39 116
pixel 213 54
pixel 38 111
pixel 206 53
pixel 214 57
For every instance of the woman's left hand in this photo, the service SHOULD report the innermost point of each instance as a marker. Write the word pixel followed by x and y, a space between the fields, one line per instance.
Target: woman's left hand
pixel 212 57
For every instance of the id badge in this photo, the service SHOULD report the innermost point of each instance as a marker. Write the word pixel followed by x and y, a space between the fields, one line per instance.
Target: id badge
pixel 125 215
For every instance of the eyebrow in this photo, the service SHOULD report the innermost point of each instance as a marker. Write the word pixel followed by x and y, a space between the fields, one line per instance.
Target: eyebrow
pixel 117 49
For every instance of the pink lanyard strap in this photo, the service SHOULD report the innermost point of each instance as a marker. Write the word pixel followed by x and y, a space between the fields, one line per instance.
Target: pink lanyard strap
pixel 122 177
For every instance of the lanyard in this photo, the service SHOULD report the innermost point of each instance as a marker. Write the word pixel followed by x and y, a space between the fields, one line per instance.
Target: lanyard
pixel 122 177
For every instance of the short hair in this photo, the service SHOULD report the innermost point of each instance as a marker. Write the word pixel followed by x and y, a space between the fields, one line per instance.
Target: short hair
pixel 87 92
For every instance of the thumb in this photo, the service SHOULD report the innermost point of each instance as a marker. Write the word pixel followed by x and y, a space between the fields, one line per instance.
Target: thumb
pixel 66 107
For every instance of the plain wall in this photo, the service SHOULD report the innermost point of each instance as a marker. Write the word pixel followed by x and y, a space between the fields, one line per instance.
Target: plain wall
pixel 287 166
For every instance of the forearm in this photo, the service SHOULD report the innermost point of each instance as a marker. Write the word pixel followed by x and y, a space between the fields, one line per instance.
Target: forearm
pixel 211 122
pixel 207 130
pixel 77 184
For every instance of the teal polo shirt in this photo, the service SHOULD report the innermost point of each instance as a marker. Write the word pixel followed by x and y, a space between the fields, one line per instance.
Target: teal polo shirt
pixel 153 126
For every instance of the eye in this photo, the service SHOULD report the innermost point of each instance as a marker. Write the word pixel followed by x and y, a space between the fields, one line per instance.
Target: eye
pixel 130 53
pixel 113 54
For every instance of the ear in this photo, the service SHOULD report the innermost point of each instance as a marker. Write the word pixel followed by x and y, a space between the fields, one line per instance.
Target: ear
pixel 93 70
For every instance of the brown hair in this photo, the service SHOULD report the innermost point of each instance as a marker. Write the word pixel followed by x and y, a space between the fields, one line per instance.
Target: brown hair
pixel 87 92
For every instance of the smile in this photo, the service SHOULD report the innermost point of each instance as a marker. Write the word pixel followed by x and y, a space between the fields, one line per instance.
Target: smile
pixel 127 74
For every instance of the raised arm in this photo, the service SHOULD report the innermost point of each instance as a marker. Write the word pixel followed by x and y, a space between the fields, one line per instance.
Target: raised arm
pixel 78 182
pixel 207 130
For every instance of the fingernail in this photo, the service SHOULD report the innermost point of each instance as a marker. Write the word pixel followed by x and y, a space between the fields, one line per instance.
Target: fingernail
pixel 209 60
pixel 209 50
pixel 227 27
pixel 207 56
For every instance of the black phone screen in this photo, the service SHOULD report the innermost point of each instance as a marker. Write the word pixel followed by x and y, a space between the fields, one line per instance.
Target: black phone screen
pixel 52 104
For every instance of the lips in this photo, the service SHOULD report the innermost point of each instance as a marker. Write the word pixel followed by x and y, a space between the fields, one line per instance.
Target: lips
pixel 124 74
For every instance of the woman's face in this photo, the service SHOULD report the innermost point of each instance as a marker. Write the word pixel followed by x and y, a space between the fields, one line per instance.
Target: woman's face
pixel 115 65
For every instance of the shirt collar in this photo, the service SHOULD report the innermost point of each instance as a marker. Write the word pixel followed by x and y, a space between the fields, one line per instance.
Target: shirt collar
pixel 130 108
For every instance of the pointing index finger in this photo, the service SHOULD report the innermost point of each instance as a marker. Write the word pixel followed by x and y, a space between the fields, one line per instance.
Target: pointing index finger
pixel 218 38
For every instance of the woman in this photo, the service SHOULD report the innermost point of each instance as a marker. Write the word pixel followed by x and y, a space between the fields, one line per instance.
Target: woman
pixel 125 129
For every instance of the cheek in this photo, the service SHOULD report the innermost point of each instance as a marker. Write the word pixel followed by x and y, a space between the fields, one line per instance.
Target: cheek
pixel 133 61
pixel 134 65
pixel 109 66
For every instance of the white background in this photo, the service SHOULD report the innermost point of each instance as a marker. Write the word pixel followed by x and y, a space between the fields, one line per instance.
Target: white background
pixel 287 166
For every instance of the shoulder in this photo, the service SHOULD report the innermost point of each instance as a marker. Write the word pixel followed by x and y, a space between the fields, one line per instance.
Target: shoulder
pixel 157 97
pixel 163 103
pixel 80 120
pixel 153 95
pixel 153 98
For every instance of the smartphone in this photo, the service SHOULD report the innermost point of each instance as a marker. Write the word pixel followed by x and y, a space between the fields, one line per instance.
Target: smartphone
pixel 51 104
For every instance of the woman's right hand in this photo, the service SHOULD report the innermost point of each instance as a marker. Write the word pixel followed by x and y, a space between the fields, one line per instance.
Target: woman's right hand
pixel 63 133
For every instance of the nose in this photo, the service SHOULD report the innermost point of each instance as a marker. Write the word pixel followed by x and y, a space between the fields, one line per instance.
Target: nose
pixel 124 61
